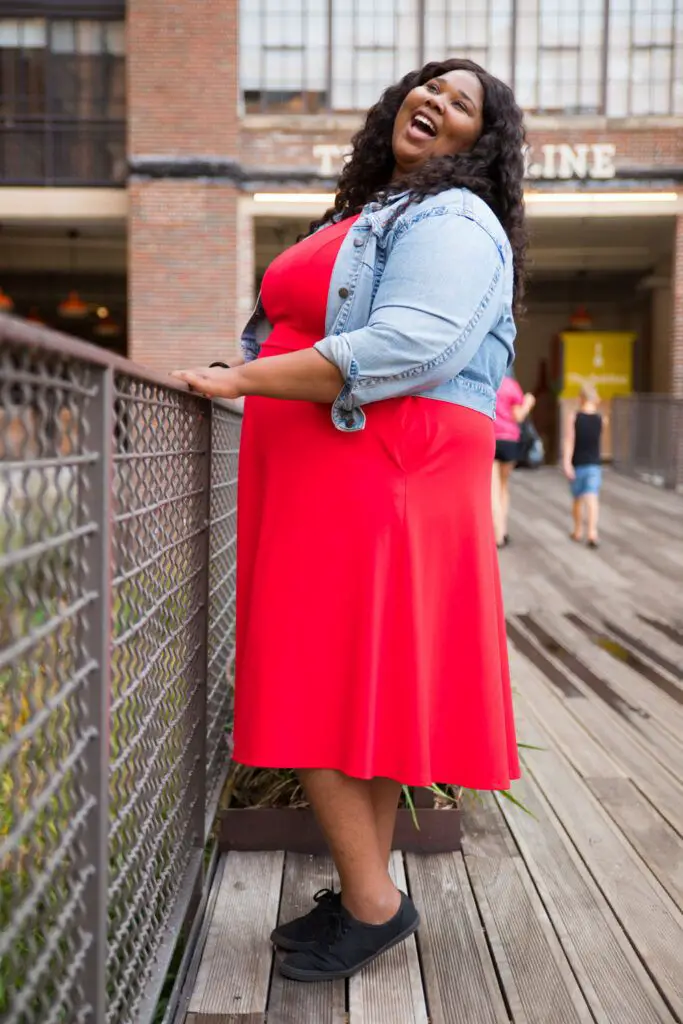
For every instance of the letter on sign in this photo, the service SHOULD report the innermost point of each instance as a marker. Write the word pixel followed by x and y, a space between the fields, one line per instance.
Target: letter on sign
pixel 573 161
pixel 603 160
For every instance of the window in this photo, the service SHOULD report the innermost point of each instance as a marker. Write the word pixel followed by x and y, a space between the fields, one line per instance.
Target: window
pixel 373 45
pixel 646 58
pixel 62 100
pixel 22 67
pixel 284 55
pixel 481 30
pixel 559 58
pixel 303 56
pixel 616 57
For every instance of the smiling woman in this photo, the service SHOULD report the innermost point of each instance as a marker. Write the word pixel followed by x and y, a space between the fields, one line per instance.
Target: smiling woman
pixel 439 118
pixel 388 330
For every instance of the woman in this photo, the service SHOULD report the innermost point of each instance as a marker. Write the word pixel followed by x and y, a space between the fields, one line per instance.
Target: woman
pixel 512 408
pixel 371 637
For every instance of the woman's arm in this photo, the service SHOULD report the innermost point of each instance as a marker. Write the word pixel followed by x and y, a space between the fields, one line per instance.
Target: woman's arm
pixel 304 376
pixel 568 448
pixel 440 294
pixel 520 412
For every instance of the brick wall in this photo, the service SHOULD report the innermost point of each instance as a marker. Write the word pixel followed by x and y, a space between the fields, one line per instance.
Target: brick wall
pixel 182 272
pixel 182 77
pixel 183 265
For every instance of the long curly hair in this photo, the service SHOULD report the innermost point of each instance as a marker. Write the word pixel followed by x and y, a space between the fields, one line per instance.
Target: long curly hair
pixel 493 169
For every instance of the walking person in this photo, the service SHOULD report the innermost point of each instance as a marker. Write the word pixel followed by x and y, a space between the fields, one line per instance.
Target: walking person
pixel 582 465
pixel 512 408
pixel 371 645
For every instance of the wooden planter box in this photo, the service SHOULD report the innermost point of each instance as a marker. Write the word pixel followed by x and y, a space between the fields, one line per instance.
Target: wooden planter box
pixel 297 831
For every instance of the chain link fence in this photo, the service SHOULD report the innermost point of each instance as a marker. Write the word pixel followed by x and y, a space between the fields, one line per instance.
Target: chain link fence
pixel 118 530
pixel 647 438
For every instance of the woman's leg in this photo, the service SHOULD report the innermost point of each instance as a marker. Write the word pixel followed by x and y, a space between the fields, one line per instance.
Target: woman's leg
pixel 505 474
pixel 385 796
pixel 345 811
pixel 593 513
pixel 496 502
pixel 577 516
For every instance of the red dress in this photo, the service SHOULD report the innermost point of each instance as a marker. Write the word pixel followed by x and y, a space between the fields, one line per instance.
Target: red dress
pixel 370 626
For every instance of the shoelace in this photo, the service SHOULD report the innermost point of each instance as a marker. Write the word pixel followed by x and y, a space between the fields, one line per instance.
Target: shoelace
pixel 335 928
pixel 324 896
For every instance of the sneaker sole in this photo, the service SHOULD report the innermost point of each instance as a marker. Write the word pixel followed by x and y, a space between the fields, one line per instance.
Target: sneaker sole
pixel 298 975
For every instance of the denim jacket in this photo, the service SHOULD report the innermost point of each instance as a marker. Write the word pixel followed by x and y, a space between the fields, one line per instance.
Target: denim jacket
pixel 420 303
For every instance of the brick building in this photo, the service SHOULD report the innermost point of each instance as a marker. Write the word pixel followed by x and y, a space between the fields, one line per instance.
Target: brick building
pixel 155 156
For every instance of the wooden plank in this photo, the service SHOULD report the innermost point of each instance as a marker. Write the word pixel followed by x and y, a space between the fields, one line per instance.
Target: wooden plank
pixel 613 980
pixel 566 731
pixel 226 1018
pixel 653 921
pixel 625 680
pixel 390 991
pixel 658 844
pixel 292 1002
pixel 617 738
pixel 460 977
pixel 234 973
pixel 539 984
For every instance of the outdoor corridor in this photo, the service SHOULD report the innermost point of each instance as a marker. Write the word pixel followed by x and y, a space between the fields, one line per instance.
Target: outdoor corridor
pixel 572 913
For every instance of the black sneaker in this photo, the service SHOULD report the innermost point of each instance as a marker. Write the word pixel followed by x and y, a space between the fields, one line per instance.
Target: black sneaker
pixel 346 945
pixel 302 932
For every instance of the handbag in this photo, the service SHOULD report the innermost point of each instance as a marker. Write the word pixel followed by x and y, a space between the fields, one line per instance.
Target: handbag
pixel 532 450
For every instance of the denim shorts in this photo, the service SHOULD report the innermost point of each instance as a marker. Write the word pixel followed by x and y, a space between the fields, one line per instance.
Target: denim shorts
pixel 588 480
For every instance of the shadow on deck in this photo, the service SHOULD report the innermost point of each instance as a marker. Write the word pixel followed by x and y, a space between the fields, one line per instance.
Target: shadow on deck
pixel 572 914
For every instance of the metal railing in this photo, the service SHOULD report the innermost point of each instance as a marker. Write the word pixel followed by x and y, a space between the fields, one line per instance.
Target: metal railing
pixel 647 438
pixel 118 555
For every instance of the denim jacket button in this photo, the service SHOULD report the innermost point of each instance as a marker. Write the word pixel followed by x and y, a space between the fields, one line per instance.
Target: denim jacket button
pixel 358 242
pixel 343 293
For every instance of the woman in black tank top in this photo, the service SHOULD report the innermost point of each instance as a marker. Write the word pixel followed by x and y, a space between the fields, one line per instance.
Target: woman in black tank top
pixel 582 465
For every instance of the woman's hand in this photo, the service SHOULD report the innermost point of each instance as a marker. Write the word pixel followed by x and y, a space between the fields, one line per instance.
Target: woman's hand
pixel 213 382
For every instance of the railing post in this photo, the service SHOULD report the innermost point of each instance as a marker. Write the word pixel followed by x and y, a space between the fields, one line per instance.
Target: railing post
pixel 200 716
pixel 97 645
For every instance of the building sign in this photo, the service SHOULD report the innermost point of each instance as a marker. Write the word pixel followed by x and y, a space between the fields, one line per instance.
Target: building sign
pixel 543 163
pixel 601 358
pixel 559 160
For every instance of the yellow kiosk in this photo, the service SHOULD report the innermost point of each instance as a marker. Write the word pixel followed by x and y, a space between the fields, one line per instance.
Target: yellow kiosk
pixel 601 358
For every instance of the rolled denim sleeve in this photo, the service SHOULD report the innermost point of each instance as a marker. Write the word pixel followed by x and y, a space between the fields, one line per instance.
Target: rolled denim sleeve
pixel 439 296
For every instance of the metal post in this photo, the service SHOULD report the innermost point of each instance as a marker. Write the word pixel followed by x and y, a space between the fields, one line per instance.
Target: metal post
pixel 97 636
pixel 421 29
pixel 199 712
pixel 513 45
pixel 604 64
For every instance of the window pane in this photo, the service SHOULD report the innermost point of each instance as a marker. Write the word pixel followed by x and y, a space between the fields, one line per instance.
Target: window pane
pixel 115 38
pixel 33 33
pixel 89 37
pixel 283 54
pixel 63 37
pixel 371 49
pixel 480 30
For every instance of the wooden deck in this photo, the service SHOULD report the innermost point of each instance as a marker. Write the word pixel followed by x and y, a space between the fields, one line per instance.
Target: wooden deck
pixel 574 914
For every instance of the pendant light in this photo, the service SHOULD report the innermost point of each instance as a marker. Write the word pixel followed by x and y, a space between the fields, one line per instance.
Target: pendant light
pixel 106 326
pixel 73 307
pixel 6 303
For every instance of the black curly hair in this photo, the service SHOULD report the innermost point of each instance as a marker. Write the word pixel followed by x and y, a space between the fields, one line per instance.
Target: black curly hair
pixel 493 169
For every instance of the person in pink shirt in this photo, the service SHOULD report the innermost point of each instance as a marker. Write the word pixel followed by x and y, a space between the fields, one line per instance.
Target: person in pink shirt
pixel 512 408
